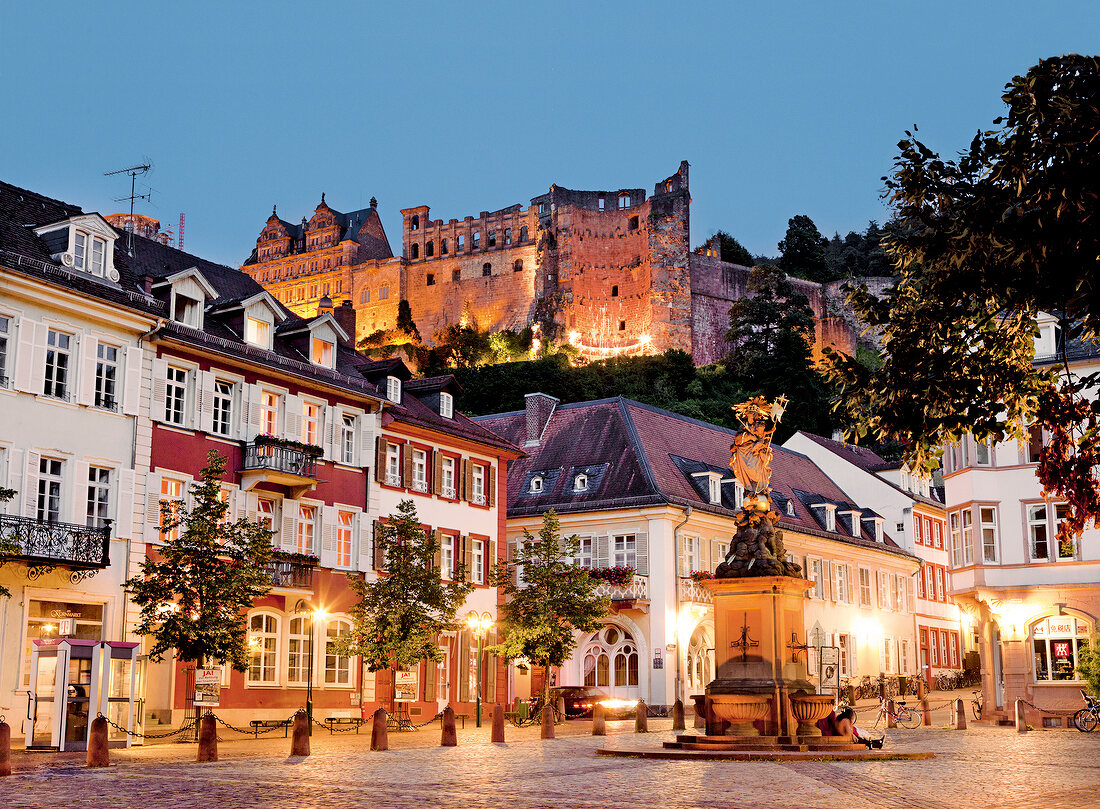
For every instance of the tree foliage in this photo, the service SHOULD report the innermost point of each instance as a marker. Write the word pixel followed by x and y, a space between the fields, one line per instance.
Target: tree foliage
pixel 1088 664
pixel 398 617
pixel 731 250
pixel 7 546
pixel 858 254
pixel 802 251
pixel 983 243
pixel 193 595
pixel 558 599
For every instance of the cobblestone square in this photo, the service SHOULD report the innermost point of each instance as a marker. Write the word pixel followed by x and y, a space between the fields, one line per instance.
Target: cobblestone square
pixel 983 766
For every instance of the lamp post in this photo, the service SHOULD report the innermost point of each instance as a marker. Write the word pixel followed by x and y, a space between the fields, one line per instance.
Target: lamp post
pixel 304 607
pixel 479 625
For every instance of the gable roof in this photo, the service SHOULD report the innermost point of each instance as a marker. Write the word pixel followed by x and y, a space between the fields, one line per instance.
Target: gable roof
pixel 364 227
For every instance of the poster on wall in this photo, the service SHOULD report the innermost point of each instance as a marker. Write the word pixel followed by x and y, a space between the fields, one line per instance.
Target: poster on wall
pixel 829 660
pixel 404 686
pixel 208 687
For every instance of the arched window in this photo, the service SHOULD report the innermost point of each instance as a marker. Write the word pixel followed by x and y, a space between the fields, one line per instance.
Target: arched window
pixel 626 666
pixel 611 658
pixel 517 266
pixel 364 296
pixel 414 222
pixel 337 668
pixel 414 250
pixel 298 643
pixel 263 647
pixel 523 233
pixel 597 667
pixel 700 661
pixel 429 249
pixel 486 269
pixel 536 484
pixel 442 247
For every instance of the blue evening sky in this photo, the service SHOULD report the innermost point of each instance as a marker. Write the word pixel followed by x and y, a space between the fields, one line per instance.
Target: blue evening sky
pixel 781 108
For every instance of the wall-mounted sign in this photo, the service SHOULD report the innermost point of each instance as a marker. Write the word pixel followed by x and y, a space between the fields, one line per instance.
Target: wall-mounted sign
pixel 65 627
pixel 1059 627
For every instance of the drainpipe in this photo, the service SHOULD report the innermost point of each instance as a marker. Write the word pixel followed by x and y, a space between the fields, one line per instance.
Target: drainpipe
pixel 676 592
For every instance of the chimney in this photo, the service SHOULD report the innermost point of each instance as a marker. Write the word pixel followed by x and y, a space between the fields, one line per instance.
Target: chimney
pixel 540 408
pixel 345 316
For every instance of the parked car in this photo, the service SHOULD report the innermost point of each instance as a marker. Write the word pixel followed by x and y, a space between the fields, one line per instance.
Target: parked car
pixel 581 699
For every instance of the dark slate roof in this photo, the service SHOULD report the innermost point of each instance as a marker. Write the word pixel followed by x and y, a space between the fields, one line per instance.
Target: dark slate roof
pixel 650 455
pixel 414 412
pixel 364 227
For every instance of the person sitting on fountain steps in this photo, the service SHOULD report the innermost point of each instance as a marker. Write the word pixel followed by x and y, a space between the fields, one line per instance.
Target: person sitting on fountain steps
pixel 845 725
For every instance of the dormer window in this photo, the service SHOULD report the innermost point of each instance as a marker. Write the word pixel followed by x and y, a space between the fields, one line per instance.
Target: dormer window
pixel 580 483
pixel 321 352
pixel 828 511
pixel 84 243
pixel 446 405
pixel 187 311
pixel 88 253
pixel 790 508
pixel 715 490
pixel 393 389
pixel 257 332
pixel 536 484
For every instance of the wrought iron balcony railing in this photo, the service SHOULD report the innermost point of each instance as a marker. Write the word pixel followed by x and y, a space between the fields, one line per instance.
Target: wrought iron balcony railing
pixel 279 458
pixel 40 543
pixel 285 573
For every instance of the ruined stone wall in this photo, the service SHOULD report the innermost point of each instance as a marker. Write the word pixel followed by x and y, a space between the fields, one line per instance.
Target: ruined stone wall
pixel 376 291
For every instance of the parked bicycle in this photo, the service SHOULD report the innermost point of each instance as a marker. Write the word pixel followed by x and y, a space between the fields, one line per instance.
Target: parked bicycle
pixel 1087 719
pixel 850 692
pixel 530 713
pixel 906 717
pixel 976 705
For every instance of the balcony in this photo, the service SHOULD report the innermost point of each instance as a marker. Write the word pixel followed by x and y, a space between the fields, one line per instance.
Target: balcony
pixel 291 574
pixel 692 592
pixel 43 545
pixel 634 595
pixel 280 463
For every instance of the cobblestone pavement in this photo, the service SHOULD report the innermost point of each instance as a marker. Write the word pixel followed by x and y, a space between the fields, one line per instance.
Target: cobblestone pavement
pixel 987 767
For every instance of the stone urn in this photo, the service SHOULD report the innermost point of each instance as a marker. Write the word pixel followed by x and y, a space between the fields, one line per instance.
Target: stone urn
pixel 740 710
pixel 700 702
pixel 809 711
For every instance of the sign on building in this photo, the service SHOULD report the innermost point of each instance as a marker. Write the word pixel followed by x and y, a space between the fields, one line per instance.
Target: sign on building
pixel 829 675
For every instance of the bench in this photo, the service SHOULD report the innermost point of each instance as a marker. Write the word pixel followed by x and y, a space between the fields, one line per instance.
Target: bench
pixel 256 724
pixel 343 720
pixel 461 716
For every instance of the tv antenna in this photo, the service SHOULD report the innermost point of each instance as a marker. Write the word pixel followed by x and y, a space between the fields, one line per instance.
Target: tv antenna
pixel 133 171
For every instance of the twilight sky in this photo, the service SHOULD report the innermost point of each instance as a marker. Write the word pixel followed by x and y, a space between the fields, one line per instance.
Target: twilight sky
pixel 781 108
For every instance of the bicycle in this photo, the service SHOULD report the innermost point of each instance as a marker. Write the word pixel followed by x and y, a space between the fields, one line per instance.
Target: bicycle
pixel 903 716
pixel 1087 719
pixel 533 715
pixel 976 706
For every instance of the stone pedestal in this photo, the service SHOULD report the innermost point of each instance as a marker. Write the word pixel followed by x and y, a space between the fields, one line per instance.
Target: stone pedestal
pixel 759 623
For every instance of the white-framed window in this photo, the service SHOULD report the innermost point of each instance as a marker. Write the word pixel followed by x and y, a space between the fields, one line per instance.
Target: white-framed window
pixel 814 575
pixel 446 556
pixel 844 645
pixel 311 423
pixel 477 561
pixel 5 335
pixel 298 642
pixel 307 516
pixel 257 332
pixel 586 552
pixel 223 407
pixel 420 470
pixel 50 482
pixel 477 496
pixel 843 586
pixel 446 405
pixel 830 518
pixel 171 500
pixel 714 484
pixel 344 533
pixel 265 516
pixel 882 600
pixel 940 581
pixel 864 587
pixel 887 655
pixel 58 359
pixel 393 389
pixel 106 377
pixel 1069 550
pixel 536 484
pixel 1055 644
pixel 269 412
pixel 347 439
pixel 393 465
pixel 899 593
pixel 447 485
pixel 1038 538
pixel 693 554
pixel 983 454
pixel 98 501
pixel 988 517
pixel 175 395
pixel 321 352
pixel 968 536
pixel 337 667
pixel 580 482
pixel 263 648
pixel 955 534
pixel 625 551
pixel 790 508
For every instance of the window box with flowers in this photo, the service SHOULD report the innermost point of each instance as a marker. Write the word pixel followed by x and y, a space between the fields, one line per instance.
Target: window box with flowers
pixel 700 575
pixel 619 576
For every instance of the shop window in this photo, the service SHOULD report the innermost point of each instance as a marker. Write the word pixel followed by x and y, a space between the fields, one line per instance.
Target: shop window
pixel 1055 644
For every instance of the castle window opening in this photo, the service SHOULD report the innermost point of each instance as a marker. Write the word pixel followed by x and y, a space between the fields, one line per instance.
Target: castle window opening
pixel 633 223
pixel 384 293
pixel 624 201
pixel 523 233
pixel 507 235
pixel 475 240
pixel 429 249
pixel 443 247
pixel 542 208
pixel 492 238
pixel 364 296
pixel 614 290
pixel 601 202
pixel 414 223
pixel 460 241
pixel 486 269
pixel 415 250
pixel 312 291
pixel 456 275
pixel 517 265
pixel 622 325
pixel 431 280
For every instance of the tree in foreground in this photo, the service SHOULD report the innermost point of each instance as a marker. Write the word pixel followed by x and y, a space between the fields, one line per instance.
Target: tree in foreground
pixel 541 617
pixel 193 596
pixel 399 616
pixel 983 243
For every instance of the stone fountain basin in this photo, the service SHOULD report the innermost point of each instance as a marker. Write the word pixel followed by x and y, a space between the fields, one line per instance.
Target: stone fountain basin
pixel 739 709
pixel 809 710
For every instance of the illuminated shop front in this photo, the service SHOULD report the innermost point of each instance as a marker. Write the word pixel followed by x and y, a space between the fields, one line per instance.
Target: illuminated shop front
pixel 1055 644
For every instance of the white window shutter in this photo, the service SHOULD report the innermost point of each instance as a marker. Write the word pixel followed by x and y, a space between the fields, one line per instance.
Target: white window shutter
pixel 602 552
pixel 14 481
pixel 332 414
pixel 152 506
pixel 30 362
pixel 124 503
pixel 240 505
pixel 30 485
pixel 80 493
pixel 204 401
pixel 717 553
pixel 89 348
pixel 251 416
pixel 853 583
pixel 831 573
pixel 293 418
pixel 159 389
pixel 365 529
pixel 328 536
pixel 131 381
pixel 367 423
pixel 682 557
pixel 288 536
pixel 641 553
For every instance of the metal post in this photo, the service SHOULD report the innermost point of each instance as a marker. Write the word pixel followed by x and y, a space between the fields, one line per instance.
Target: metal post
pixel 309 675
pixel 480 644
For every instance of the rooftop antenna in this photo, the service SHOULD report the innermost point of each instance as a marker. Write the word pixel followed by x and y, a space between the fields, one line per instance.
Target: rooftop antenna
pixel 133 171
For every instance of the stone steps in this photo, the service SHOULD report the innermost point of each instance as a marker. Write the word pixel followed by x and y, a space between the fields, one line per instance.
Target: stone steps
pixel 785 748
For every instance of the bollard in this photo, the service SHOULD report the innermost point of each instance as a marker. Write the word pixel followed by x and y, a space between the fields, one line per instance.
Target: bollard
pixel 925 713
pixel 560 706
pixel 1021 720
pixel 449 736
pixel 641 717
pixel 678 715
pixel 208 739
pixel 922 688
pixel 547 722
pixel 379 735
pixel 958 720
pixel 890 723
pixel 498 724
pixel 599 721
pixel 5 748
pixel 97 744
pixel 299 736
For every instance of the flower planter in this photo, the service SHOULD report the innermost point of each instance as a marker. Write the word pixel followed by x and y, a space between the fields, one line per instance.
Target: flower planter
pixel 740 710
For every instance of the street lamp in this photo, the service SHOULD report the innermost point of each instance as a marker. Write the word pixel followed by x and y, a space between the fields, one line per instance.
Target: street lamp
pixel 303 607
pixel 479 625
